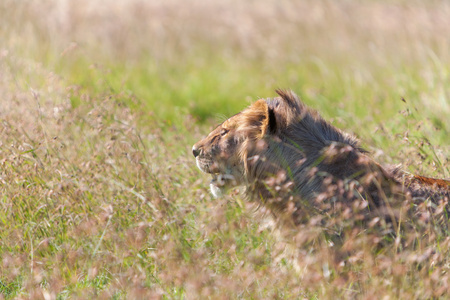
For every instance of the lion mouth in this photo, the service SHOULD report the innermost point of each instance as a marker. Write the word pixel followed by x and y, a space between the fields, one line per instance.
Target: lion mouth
pixel 220 179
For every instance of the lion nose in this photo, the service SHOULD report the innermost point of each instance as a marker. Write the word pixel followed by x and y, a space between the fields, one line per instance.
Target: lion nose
pixel 195 151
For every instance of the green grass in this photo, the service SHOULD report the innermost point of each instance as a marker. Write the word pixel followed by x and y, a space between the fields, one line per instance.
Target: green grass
pixel 99 193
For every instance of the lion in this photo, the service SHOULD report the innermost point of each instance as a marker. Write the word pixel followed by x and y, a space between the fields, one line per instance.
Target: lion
pixel 279 149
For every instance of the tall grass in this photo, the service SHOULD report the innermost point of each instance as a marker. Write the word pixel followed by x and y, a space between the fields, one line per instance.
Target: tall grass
pixel 101 102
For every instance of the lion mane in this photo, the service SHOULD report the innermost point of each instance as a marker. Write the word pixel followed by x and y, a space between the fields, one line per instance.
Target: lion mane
pixel 279 149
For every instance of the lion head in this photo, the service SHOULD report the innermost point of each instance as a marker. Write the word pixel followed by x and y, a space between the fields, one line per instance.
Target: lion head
pixel 223 153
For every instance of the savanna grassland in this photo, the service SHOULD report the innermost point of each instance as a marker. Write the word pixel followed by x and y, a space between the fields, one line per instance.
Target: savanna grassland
pixel 101 102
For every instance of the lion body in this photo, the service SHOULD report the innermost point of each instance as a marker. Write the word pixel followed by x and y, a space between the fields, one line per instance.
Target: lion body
pixel 279 148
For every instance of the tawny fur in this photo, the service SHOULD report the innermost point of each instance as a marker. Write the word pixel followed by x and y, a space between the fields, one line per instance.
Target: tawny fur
pixel 279 148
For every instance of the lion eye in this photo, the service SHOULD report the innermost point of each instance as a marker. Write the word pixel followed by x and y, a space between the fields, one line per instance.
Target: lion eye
pixel 223 132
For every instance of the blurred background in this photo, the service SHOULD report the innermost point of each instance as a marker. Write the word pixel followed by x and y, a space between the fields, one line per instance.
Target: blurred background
pixel 206 57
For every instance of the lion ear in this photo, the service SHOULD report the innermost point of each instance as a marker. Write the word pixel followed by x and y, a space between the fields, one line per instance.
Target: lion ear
pixel 266 117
